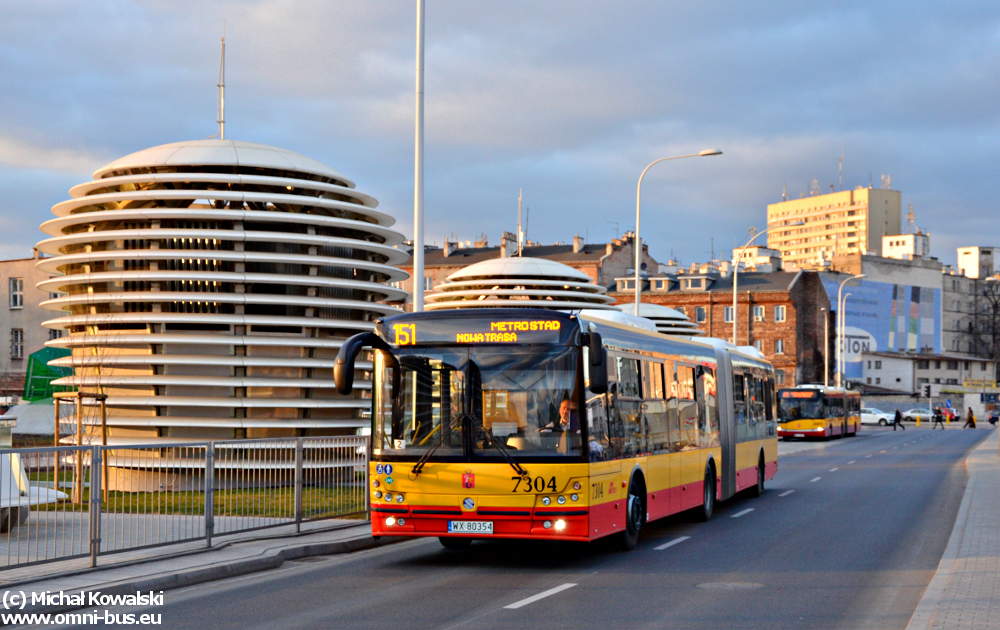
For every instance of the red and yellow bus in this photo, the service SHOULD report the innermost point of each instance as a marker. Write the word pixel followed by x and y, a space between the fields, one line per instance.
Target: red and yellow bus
pixel 815 411
pixel 529 423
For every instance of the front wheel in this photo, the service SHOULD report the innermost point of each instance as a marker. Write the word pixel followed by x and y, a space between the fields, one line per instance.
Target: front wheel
pixel 455 544
pixel 882 422
pixel 635 516
pixel 704 513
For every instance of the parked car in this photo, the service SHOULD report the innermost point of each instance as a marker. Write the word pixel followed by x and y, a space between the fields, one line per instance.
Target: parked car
pixel 912 415
pixel 871 415
pixel 994 416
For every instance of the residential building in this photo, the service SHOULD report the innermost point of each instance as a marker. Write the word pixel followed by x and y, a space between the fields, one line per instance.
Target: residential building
pixel 907 246
pixel 960 306
pixel 21 327
pixel 844 222
pixel 908 373
pixel 977 262
pixel 779 313
pixel 601 262
pixel 758 258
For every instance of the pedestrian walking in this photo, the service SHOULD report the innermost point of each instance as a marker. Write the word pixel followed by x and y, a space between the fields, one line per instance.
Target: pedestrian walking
pixel 970 420
pixel 938 418
pixel 897 421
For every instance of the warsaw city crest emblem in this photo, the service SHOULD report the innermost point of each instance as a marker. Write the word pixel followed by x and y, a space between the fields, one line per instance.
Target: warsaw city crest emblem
pixel 468 479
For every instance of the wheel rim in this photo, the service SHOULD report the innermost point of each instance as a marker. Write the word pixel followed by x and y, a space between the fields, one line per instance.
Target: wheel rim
pixel 634 510
pixel 709 495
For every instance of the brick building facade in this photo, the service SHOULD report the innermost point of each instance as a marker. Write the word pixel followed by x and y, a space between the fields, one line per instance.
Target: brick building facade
pixel 779 313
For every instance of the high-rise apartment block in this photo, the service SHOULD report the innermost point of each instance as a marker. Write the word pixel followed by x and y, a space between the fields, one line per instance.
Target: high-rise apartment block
pixel 976 262
pixel 814 229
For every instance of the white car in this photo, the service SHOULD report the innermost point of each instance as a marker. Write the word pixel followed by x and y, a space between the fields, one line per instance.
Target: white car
pixel 871 415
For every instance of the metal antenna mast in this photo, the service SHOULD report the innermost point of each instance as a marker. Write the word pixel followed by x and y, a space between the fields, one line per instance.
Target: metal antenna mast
pixel 222 87
pixel 840 166
pixel 519 222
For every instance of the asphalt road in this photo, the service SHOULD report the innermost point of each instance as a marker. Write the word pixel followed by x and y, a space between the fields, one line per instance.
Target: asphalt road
pixel 847 535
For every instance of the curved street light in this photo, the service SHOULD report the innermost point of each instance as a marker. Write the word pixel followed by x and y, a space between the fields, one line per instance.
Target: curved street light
pixel 638 198
pixel 841 326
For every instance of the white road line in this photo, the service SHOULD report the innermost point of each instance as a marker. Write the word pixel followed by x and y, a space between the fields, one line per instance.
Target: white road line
pixel 542 595
pixel 742 513
pixel 853 461
pixel 786 493
pixel 881 451
pixel 834 469
pixel 867 456
pixel 895 447
pixel 815 480
pixel 673 542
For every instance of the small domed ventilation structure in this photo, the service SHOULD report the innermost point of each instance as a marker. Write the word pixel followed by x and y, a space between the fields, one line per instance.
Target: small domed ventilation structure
pixel 513 282
pixel 668 321
pixel 208 285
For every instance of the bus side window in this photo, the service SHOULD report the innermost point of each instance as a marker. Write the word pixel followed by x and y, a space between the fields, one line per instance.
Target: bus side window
pixel 671 391
pixel 687 408
pixel 630 407
pixel 739 407
pixel 654 407
pixel 708 426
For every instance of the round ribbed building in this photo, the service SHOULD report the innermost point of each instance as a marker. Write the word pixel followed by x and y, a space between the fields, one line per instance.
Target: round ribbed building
pixel 206 287
pixel 668 321
pixel 512 282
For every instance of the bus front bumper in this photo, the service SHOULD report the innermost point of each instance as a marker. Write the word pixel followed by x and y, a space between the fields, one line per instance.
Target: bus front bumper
pixel 525 523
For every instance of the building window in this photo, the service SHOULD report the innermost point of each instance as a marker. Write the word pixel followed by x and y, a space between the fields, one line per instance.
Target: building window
pixel 758 313
pixel 16 343
pixel 55 334
pixel 951 381
pixel 937 365
pixel 937 381
pixel 983 366
pixel 878 381
pixel 952 365
pixel 428 283
pixel 779 313
pixel 682 310
pixel 923 381
pixel 727 315
pixel 869 365
pixel 878 365
pixel 779 346
pixel 923 365
pixel 779 377
pixel 699 314
pixel 16 293
pixel 759 344
pixel 869 380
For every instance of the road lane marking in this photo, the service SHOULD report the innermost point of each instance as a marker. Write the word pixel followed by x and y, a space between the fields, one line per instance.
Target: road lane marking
pixel 895 447
pixel 867 456
pixel 542 595
pixel 834 469
pixel 853 461
pixel 815 480
pixel 673 542
pixel 742 513
pixel 786 493
pixel 881 451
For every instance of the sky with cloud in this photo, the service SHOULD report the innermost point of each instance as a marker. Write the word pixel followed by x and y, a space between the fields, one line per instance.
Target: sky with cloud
pixel 567 100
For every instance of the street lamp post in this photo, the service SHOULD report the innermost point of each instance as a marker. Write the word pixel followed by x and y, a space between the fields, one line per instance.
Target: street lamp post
pixel 843 330
pixel 826 347
pixel 736 268
pixel 638 198
pixel 418 172
pixel 841 324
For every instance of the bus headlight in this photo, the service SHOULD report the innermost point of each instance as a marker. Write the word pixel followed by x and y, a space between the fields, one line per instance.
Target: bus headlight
pixel 378 495
pixel 561 500
pixel 547 524
pixel 399 498
pixel 560 525
pixel 546 500
pixel 577 486
pixel 575 497
pixel 402 521
pixel 390 521
pixel 388 497
pixel 375 483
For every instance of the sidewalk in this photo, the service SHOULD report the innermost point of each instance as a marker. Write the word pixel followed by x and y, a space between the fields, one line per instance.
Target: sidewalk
pixel 965 591
pixel 239 557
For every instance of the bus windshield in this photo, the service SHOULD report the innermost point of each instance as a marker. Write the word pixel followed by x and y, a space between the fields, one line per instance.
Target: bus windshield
pixel 455 399
pixel 790 409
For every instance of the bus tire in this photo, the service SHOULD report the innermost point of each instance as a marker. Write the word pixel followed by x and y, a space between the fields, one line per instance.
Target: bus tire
pixel 758 489
pixel 455 544
pixel 704 513
pixel 635 515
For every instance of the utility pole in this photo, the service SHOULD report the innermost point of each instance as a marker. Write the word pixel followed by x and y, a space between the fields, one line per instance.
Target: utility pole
pixel 418 172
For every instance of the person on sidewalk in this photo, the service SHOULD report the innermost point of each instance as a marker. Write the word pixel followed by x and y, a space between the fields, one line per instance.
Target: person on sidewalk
pixel 897 421
pixel 938 418
pixel 970 420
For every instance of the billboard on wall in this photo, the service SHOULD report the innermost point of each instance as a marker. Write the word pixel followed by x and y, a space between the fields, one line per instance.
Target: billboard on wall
pixel 886 317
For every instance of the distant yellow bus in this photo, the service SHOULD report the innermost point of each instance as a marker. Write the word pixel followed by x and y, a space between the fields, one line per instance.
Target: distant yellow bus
pixel 814 411
pixel 528 423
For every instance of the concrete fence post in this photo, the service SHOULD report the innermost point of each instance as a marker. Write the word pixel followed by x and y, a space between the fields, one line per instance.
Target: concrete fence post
pixel 209 493
pixel 299 452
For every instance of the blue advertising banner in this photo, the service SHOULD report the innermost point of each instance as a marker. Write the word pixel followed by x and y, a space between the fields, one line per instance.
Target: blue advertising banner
pixel 885 317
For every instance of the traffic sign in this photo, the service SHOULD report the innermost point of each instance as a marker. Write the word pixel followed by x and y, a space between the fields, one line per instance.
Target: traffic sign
pixel 947 403
pixel 989 398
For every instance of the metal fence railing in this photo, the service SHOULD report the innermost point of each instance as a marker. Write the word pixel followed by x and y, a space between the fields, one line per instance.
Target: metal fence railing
pixel 58 503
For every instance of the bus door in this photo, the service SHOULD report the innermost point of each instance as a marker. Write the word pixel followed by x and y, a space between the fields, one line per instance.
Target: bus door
pixel 726 469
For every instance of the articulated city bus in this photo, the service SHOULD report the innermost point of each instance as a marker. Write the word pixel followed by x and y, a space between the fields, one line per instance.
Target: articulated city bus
pixel 818 411
pixel 530 423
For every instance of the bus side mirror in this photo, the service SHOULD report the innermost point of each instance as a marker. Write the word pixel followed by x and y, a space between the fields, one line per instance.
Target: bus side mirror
pixel 343 368
pixel 598 363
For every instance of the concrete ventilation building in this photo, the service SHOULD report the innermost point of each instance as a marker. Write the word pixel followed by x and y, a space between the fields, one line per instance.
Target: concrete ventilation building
pixel 668 321
pixel 208 285
pixel 838 223
pixel 514 282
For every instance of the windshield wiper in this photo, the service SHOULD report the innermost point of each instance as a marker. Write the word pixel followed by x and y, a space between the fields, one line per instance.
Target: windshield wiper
pixel 500 448
pixel 419 466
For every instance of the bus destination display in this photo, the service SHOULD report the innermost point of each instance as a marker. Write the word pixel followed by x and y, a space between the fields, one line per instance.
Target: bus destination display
pixel 477 331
